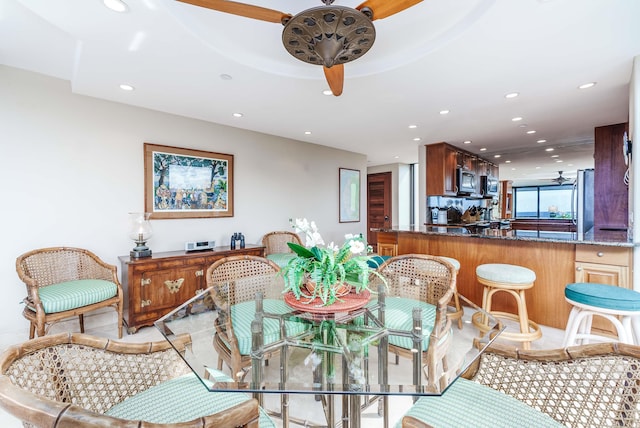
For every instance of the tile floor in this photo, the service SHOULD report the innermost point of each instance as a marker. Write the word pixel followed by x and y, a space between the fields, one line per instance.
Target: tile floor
pixel 104 325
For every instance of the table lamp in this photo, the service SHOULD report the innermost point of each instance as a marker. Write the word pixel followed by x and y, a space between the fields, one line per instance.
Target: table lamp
pixel 140 232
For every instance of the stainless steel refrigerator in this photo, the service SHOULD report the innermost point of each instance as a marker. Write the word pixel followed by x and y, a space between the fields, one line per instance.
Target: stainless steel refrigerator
pixel 582 206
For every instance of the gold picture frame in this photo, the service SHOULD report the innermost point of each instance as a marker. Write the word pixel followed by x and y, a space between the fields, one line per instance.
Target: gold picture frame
pixel 187 183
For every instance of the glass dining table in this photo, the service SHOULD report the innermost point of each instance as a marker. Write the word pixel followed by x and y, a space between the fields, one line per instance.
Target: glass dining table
pixel 338 358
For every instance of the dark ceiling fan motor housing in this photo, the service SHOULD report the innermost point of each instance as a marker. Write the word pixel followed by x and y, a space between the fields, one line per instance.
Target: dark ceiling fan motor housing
pixel 329 35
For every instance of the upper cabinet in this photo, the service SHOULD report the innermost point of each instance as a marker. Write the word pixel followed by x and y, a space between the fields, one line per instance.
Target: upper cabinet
pixel 443 163
pixel 611 193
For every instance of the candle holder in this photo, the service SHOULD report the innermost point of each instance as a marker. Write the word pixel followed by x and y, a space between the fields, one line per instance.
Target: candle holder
pixel 140 232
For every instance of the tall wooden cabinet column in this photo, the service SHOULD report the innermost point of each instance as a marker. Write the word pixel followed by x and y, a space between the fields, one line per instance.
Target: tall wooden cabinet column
pixel 506 199
pixel 611 194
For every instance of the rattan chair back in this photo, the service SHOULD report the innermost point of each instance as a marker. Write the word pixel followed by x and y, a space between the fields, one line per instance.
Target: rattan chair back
pixel 431 280
pixel 276 242
pixel 233 280
pixel 595 385
pixel 47 266
pixel 71 379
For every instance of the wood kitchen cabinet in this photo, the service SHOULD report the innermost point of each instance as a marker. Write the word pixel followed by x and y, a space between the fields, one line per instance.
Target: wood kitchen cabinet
pixel 604 265
pixel 154 286
pixel 611 194
pixel 442 169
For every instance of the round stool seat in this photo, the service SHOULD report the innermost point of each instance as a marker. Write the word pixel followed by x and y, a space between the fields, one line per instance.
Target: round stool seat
pixel 454 262
pixel 620 306
pixel 513 280
pixel 603 296
pixel 510 274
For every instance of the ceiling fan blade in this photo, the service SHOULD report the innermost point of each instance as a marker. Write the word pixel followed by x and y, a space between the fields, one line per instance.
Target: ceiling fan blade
pixel 385 8
pixel 242 9
pixel 335 78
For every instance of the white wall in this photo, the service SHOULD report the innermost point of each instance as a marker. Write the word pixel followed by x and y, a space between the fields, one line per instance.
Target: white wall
pixel 73 169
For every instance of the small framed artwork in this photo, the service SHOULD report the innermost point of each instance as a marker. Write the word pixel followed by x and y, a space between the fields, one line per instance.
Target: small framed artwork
pixel 349 195
pixel 185 183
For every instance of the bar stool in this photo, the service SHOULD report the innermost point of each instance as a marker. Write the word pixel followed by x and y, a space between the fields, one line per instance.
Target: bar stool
pixel 619 305
pixel 514 280
pixel 456 312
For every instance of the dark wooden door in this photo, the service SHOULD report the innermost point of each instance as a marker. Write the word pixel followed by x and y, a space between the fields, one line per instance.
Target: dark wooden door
pixel 378 204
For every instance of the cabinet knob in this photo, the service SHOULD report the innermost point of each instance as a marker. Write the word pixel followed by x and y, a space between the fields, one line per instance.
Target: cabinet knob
pixel 145 281
pixel 600 254
pixel 144 303
pixel 200 272
pixel 174 285
pixel 579 268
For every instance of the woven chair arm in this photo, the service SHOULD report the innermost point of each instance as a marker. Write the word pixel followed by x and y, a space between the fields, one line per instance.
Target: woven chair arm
pixel 42 412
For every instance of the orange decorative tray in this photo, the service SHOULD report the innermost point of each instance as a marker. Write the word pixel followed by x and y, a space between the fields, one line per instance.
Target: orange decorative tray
pixel 346 303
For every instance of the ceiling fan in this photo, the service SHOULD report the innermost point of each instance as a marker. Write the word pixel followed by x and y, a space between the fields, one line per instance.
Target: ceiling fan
pixel 560 179
pixel 326 35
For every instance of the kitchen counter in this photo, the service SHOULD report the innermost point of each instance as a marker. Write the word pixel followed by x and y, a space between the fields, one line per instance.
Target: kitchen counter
pixel 608 238
pixel 557 258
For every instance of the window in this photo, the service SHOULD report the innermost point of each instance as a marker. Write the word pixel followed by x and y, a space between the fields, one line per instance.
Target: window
pixel 546 202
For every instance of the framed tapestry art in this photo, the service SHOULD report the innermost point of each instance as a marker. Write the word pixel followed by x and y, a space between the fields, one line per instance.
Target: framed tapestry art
pixel 349 195
pixel 185 183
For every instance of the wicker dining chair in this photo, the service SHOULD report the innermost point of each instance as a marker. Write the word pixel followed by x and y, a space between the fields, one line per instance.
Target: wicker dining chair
pixel 594 385
pixel 428 283
pixel 63 282
pixel 276 242
pixel 73 379
pixel 234 282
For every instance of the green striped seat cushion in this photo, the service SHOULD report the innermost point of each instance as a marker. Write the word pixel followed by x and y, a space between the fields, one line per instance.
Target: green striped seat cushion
pixel 69 295
pixel 243 313
pixel 469 404
pixel 281 259
pixel 180 400
pixel 398 316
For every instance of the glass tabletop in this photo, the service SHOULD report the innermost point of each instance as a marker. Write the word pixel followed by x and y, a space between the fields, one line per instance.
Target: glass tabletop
pixel 289 350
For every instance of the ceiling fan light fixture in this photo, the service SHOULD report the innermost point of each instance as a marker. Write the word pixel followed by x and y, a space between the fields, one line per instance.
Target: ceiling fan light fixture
pixel 328 35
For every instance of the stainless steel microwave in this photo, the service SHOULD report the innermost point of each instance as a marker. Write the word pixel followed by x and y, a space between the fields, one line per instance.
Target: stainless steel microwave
pixel 488 185
pixel 466 182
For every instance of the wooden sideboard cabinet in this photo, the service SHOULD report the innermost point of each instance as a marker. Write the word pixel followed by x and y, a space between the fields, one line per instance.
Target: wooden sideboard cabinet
pixel 154 286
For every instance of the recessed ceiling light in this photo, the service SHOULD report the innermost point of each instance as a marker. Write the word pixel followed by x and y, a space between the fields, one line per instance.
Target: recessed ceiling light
pixel 237 114
pixel 559 161
pixel 307 132
pixel 512 95
pixel 516 119
pixel 497 156
pixel 466 142
pixel 508 161
pixel 524 125
pixel 484 149
pixel 587 85
pixel 538 167
pixel 417 139
pixel 327 92
pixel 541 141
pixel 531 132
pixel 413 126
pixel 116 5
pixel 225 76
pixel 444 111
pixel 550 149
pixel 555 156
pixel 126 87
pixel 513 169
pixel 396 157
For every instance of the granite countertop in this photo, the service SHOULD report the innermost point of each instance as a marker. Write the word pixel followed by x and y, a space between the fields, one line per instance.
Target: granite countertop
pixel 609 238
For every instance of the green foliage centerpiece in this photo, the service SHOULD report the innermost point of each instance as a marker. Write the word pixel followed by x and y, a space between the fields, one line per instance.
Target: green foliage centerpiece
pixel 327 272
